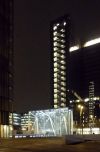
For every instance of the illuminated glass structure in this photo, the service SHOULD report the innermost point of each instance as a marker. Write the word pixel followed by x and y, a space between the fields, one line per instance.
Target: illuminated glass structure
pixel 6 64
pixel 51 122
pixel 59 32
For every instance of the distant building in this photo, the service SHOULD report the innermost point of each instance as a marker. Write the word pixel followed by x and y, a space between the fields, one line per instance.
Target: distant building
pixel 85 68
pixel 59 53
pixel 6 65
pixel 84 78
pixel 15 122
pixel 73 69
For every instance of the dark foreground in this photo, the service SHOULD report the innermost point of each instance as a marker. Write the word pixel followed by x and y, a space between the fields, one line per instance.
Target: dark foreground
pixel 47 145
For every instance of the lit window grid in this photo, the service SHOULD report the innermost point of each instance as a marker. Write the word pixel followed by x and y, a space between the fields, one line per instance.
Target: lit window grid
pixel 59 64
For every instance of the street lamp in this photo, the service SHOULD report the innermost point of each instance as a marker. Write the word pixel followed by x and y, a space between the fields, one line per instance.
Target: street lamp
pixel 81 112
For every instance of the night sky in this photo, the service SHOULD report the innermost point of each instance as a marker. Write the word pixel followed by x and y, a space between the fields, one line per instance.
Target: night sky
pixel 32 44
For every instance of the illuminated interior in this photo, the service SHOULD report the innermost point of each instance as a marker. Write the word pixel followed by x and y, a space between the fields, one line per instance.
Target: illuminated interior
pixel 92 42
pixel 88 43
pixel 51 122
pixel 74 48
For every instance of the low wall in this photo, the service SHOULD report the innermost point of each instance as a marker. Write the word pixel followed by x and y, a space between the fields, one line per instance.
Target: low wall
pixel 73 139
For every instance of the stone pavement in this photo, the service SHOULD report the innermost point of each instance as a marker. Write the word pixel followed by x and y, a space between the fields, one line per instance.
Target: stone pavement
pixel 47 145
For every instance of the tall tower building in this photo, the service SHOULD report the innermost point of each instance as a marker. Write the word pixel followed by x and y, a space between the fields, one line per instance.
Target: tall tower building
pixel 59 35
pixel 6 64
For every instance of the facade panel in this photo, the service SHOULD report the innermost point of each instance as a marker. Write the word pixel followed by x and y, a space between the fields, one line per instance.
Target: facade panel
pixel 6 60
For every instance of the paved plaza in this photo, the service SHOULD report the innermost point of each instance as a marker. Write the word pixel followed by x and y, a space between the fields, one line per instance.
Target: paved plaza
pixel 47 145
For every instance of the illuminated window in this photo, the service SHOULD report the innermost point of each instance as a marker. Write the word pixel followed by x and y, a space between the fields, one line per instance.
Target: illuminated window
pixel 55 85
pixel 55 64
pixel 55 38
pixel 63 67
pixel 55 101
pixel 62 46
pixel 96 98
pixel 63 104
pixel 63 78
pixel 63 99
pixel 55 95
pixel 62 62
pixel 62 93
pixel 63 73
pixel 55 69
pixel 63 83
pixel 55 106
pixel 64 23
pixel 62 51
pixel 73 48
pixel 55 79
pixel 62 30
pixel 55 59
pixel 55 90
pixel 55 27
pixel 55 48
pixel 62 56
pixel 55 43
pixel 55 54
pixel 55 74
pixel 63 41
pixel 54 33
pixel 92 42
pixel 62 35
pixel 57 24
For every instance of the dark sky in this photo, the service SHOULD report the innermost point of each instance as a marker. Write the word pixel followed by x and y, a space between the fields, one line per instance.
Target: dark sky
pixel 31 36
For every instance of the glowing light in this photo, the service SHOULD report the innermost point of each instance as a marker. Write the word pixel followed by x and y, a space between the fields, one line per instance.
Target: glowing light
pixel 55 33
pixel 64 23
pixel 63 46
pixel 96 98
pixel 57 24
pixel 55 106
pixel 55 101
pixel 79 106
pixel 55 80
pixel 86 100
pixel 55 64
pixel 62 56
pixel 63 62
pixel 73 48
pixel 55 27
pixel 62 30
pixel 55 48
pixel 55 54
pixel 62 104
pixel 55 38
pixel 62 35
pixel 92 42
pixel 55 74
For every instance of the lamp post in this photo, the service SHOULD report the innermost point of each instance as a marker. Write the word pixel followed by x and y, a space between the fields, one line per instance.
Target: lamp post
pixel 81 112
